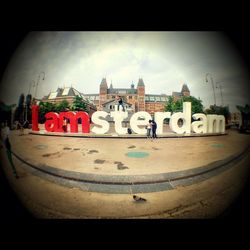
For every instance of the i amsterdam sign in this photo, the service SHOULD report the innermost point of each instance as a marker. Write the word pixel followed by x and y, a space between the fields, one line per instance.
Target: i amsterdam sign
pixel 202 124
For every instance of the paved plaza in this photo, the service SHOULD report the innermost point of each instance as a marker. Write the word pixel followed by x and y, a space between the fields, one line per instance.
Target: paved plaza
pixel 73 177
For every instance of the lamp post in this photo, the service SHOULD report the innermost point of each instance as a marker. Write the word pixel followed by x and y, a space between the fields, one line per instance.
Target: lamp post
pixel 212 82
pixel 220 87
pixel 26 106
pixel 38 80
pixel 31 84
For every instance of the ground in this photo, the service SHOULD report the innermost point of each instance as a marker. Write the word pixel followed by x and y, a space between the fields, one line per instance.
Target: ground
pixel 108 160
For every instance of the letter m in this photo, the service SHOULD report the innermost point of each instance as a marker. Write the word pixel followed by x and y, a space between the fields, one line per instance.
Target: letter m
pixel 215 123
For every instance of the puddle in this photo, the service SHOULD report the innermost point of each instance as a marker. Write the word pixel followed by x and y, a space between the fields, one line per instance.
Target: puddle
pixel 97 161
pixel 40 146
pixel 93 151
pixel 51 154
pixel 120 165
pixel 155 148
pixel 66 148
pixel 137 154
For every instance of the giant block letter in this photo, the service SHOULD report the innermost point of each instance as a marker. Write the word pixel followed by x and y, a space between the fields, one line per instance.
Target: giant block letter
pixel 216 123
pixel 185 116
pixel 85 121
pixel 104 124
pixel 199 126
pixel 51 123
pixel 134 122
pixel 35 111
pixel 159 119
pixel 118 117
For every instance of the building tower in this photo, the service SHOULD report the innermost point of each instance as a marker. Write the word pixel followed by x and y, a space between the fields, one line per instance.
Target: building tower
pixel 103 92
pixel 185 90
pixel 140 95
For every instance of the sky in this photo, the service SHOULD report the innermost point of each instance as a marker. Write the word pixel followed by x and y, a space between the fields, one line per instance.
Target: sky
pixel 165 61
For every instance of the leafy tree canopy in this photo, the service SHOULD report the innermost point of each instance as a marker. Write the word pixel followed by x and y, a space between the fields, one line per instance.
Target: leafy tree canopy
pixel 79 104
pixel 177 106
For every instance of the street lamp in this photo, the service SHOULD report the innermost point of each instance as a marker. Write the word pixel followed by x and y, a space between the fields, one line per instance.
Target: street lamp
pixel 31 85
pixel 218 83
pixel 212 82
pixel 38 79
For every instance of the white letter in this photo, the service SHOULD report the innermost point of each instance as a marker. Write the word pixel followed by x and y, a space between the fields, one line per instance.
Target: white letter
pixel 159 118
pixel 216 123
pixel 118 118
pixel 134 122
pixel 104 124
pixel 185 116
pixel 200 126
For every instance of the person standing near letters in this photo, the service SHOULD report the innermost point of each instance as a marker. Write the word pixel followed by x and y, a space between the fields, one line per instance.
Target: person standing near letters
pixel 154 127
pixel 149 129
pixel 120 103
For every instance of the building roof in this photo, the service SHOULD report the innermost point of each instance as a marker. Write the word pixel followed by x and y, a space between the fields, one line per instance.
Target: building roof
pixel 156 98
pixel 114 101
pixel 92 97
pixel 122 91
pixel 185 88
pixel 179 94
pixel 140 82
pixel 104 82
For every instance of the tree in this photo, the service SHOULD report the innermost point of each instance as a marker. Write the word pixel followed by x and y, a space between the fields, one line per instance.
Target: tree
pixel 62 106
pixel 219 110
pixel 5 113
pixel 79 104
pixel 45 107
pixel 19 112
pixel 177 106
pixel 245 118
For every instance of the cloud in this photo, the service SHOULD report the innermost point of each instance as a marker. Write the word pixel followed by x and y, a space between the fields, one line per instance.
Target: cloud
pixel 165 60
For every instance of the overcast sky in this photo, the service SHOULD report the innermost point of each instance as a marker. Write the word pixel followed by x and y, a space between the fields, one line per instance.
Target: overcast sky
pixel 165 61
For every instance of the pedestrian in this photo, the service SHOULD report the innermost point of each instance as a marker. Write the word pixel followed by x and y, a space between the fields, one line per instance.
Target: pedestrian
pixel 120 103
pixel 154 127
pixel 149 129
pixel 9 154
pixel 65 121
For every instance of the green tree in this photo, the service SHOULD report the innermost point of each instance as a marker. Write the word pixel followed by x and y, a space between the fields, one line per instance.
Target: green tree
pixel 45 107
pixel 79 104
pixel 177 106
pixel 62 106
pixel 219 110
pixel 19 112
pixel 5 112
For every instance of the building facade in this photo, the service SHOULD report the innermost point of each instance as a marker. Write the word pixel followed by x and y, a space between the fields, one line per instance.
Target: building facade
pixel 68 94
pixel 136 97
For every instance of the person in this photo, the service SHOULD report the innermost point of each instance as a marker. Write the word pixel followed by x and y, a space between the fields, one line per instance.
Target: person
pixel 154 127
pixel 120 103
pixel 149 128
pixel 64 125
pixel 9 154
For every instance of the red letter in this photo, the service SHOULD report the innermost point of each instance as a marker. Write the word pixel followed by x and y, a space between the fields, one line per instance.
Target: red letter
pixel 35 110
pixel 61 123
pixel 73 121
pixel 85 121
pixel 51 124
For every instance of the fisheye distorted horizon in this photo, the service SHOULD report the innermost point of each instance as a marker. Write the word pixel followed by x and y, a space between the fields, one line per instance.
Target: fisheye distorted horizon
pixel 165 61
